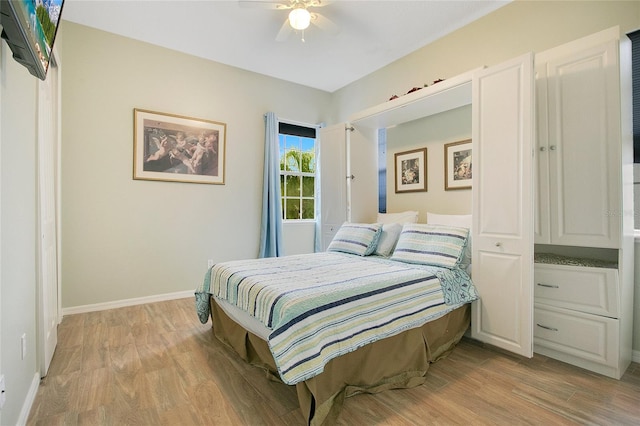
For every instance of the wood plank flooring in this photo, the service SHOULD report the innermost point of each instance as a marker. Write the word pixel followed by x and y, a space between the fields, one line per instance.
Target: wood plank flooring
pixel 155 364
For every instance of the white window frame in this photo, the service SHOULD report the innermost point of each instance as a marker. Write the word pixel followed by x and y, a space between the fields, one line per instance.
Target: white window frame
pixel 284 199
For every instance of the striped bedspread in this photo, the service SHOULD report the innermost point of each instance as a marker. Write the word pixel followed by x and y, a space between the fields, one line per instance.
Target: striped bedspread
pixel 323 305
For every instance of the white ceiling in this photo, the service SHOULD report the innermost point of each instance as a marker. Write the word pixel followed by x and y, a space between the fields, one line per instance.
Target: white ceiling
pixel 371 34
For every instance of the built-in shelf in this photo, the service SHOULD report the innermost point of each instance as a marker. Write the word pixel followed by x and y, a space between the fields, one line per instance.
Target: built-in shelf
pixel 446 95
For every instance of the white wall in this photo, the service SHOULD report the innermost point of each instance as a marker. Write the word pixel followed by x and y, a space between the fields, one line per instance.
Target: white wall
pixel 299 237
pixel 125 238
pixel 18 230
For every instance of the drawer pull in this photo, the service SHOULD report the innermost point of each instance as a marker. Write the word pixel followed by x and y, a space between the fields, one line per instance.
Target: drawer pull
pixel 547 328
pixel 548 285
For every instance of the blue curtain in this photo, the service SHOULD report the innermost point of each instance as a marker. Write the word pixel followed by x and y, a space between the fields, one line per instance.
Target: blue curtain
pixel 271 230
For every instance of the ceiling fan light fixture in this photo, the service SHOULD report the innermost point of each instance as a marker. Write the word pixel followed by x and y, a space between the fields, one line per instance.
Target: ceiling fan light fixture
pixel 299 18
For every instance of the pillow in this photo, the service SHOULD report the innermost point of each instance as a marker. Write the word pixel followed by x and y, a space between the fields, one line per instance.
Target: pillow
pixel 356 238
pixel 388 239
pixel 409 216
pixel 435 245
pixel 460 220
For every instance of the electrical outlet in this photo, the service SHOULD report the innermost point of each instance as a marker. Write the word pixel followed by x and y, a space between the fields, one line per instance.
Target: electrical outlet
pixel 209 263
pixel 3 396
pixel 23 347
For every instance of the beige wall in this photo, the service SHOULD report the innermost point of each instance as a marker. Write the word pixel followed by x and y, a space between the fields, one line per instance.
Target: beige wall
pixel 125 238
pixel 517 28
pixel 431 133
pixel 18 163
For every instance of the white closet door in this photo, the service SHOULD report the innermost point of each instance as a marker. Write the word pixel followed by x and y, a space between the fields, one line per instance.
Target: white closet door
pixel 362 169
pixel 584 154
pixel 503 102
pixel 48 272
pixel 333 181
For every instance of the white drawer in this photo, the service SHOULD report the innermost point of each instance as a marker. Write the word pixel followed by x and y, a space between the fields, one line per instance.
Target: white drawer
pixel 585 289
pixel 588 337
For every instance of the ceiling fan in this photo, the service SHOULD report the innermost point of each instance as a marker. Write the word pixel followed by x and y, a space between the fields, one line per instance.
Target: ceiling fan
pixel 299 18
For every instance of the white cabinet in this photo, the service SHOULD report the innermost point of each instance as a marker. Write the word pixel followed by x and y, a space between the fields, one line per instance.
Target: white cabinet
pixel 579 150
pixel 503 205
pixel 584 204
pixel 592 290
pixel 588 341
pixel 348 178
pixel 569 188
pixel 577 317
pixel 333 181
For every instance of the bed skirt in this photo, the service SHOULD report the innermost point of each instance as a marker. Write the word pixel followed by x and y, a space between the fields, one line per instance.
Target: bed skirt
pixel 399 361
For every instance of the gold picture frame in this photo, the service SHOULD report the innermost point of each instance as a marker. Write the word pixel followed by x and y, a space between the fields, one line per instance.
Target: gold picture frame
pixel 175 148
pixel 411 170
pixel 457 165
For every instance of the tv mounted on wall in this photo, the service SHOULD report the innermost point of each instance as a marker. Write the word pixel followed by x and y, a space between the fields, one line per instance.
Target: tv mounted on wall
pixel 30 27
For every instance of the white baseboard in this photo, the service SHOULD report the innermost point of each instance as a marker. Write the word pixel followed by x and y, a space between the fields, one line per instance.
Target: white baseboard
pixel 127 302
pixel 28 401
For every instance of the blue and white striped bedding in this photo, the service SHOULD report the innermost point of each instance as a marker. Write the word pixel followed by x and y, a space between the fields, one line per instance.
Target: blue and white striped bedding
pixel 322 305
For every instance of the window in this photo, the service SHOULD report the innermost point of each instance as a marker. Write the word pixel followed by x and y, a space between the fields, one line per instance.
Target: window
pixel 297 171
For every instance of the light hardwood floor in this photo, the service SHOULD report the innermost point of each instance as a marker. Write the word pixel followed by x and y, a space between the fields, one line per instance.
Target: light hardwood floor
pixel 155 364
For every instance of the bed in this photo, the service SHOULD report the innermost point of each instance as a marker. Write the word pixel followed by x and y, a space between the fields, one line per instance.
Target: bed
pixel 348 320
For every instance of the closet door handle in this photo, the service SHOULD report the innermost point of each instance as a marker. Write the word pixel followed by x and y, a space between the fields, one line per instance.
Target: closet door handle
pixel 498 244
pixel 543 148
pixel 552 148
pixel 546 327
pixel 548 285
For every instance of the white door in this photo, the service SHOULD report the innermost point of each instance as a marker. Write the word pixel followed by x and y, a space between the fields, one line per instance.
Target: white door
pixel 582 80
pixel 333 181
pixel 503 120
pixel 362 169
pixel 48 272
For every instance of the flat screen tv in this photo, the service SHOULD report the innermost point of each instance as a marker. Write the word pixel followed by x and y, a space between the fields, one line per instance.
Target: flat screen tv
pixel 30 27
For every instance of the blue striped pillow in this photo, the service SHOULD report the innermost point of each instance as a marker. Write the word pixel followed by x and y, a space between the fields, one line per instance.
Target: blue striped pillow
pixel 436 245
pixel 356 238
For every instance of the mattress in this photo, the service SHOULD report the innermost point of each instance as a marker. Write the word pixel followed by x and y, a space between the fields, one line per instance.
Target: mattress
pixel 243 319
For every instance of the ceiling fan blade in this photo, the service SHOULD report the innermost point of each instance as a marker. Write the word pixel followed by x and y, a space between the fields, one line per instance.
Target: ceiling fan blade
pixel 263 4
pixel 284 32
pixel 324 23
pixel 317 3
